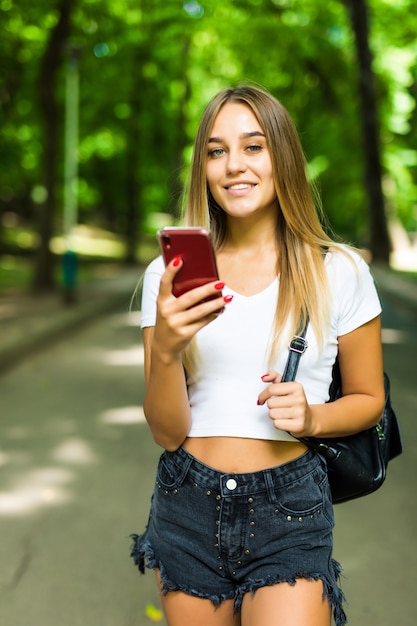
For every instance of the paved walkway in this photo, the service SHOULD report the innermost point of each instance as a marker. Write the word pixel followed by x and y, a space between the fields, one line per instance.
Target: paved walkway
pixel 104 470
pixel 29 323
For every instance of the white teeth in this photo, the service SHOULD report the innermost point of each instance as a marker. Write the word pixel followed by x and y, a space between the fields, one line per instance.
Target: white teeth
pixel 240 186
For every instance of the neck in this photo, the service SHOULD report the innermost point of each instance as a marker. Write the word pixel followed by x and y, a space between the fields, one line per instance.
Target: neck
pixel 251 234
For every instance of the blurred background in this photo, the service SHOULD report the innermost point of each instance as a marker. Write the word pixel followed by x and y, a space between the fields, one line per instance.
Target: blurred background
pixel 99 104
pixel 100 100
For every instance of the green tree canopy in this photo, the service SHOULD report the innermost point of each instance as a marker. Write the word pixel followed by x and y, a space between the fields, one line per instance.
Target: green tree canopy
pixel 146 70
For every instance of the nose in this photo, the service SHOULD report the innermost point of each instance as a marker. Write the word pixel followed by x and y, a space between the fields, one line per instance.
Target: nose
pixel 235 162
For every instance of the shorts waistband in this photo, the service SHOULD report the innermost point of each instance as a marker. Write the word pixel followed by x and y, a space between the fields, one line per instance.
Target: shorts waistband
pixel 235 484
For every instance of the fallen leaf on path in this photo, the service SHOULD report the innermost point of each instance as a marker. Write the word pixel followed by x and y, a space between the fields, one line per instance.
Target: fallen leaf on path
pixel 153 613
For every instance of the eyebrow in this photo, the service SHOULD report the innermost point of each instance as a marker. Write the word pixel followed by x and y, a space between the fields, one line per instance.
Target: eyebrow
pixel 255 133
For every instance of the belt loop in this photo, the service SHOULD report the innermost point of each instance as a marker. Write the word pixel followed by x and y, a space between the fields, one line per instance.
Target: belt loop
pixel 269 484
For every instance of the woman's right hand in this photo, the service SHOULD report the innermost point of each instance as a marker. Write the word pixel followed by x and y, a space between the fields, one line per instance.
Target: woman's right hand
pixel 179 319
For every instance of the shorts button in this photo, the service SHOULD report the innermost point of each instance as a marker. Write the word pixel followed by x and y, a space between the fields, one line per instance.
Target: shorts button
pixel 231 484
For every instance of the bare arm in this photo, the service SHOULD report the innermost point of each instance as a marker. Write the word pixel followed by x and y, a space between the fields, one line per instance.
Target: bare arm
pixel 360 358
pixel 166 404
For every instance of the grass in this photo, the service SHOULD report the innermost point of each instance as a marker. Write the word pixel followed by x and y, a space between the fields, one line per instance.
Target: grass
pixel 412 274
pixel 94 247
pixel 16 273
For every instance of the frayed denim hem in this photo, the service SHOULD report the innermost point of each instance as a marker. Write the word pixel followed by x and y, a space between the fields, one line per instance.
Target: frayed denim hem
pixel 142 553
pixel 144 557
pixel 331 592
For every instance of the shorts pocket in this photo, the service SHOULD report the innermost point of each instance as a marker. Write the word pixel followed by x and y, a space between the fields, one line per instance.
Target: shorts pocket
pixel 304 496
pixel 171 471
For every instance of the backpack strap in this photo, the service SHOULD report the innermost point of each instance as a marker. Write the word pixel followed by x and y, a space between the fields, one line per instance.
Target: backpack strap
pixel 296 348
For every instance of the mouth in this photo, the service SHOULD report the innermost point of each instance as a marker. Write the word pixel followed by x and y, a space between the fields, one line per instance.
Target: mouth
pixel 240 186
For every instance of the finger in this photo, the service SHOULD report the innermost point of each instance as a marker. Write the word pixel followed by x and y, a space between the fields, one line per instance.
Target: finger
pixel 165 288
pixel 286 394
pixel 271 376
pixel 210 291
pixel 279 390
pixel 290 427
pixel 193 320
pixel 188 300
pixel 204 310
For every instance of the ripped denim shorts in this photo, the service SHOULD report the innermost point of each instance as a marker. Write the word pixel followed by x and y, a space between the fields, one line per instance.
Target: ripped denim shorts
pixel 219 536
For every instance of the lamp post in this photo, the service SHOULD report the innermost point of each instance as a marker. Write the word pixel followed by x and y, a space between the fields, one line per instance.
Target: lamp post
pixel 70 213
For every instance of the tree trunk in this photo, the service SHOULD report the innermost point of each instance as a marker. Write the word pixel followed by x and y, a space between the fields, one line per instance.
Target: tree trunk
pixel 49 111
pixel 176 185
pixel 133 152
pixel 379 241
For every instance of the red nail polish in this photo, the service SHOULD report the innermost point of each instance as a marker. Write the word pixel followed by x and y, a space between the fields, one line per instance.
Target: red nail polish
pixel 219 286
pixel 176 261
pixel 258 403
pixel 265 375
pixel 228 299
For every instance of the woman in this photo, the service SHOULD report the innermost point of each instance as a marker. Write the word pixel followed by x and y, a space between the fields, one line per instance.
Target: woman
pixel 240 530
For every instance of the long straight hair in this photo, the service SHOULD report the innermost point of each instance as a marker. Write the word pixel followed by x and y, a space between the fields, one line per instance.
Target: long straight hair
pixel 300 236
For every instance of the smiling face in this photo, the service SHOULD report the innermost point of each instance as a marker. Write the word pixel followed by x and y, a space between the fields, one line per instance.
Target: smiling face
pixel 239 169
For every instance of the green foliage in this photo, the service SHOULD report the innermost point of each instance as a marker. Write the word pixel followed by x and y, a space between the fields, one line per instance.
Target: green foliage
pixel 395 48
pixel 147 68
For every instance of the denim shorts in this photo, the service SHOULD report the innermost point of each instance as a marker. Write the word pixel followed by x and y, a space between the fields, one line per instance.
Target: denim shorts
pixel 219 536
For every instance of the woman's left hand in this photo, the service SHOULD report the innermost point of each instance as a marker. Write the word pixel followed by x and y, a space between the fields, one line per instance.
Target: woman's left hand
pixel 287 404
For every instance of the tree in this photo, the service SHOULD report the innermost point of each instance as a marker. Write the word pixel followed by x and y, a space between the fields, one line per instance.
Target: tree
pixel 379 241
pixel 148 69
pixel 49 113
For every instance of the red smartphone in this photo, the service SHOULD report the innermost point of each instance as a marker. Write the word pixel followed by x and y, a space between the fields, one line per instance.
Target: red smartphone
pixel 194 246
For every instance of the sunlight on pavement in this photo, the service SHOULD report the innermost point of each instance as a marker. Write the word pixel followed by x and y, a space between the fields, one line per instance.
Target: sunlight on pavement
pixel 404 254
pixel 131 356
pixel 74 451
pixel 392 335
pixel 36 489
pixel 131 318
pixel 123 415
pixel 18 433
pixel 4 458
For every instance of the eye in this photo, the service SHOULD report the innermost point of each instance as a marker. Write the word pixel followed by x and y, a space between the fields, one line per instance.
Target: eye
pixel 216 152
pixel 254 147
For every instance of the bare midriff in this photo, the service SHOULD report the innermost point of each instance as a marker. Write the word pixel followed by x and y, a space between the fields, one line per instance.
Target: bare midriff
pixel 239 456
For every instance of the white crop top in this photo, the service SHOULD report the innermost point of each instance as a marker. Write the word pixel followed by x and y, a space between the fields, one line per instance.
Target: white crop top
pixel 234 350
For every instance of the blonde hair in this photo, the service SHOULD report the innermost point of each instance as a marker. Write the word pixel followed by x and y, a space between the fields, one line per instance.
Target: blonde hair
pixel 301 238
